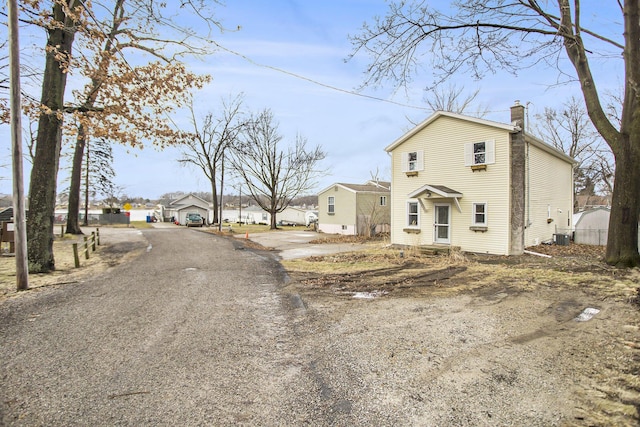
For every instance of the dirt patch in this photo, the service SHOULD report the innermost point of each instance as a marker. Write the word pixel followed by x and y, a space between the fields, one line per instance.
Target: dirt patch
pixel 472 326
pixel 340 238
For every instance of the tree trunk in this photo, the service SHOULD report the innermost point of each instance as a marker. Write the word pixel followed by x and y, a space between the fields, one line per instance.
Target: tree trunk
pixel 214 197
pixel 622 243
pixel 73 210
pixel 214 201
pixel 44 173
pixel 274 224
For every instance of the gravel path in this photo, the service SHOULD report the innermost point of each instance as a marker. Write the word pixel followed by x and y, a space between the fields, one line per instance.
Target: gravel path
pixel 180 336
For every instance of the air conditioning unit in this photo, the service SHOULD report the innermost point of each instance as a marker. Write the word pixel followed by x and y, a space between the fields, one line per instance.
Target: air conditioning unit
pixel 561 239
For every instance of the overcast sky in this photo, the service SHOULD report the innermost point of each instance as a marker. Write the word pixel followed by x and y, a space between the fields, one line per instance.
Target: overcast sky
pixel 309 94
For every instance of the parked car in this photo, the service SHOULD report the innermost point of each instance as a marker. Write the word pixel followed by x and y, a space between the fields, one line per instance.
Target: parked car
pixel 194 220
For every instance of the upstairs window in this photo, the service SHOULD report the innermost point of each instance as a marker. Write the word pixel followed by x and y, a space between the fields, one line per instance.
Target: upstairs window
pixel 383 200
pixel 479 153
pixel 412 161
pixel 331 204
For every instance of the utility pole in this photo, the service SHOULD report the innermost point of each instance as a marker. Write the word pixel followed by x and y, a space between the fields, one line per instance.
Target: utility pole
pixel 221 190
pixel 19 221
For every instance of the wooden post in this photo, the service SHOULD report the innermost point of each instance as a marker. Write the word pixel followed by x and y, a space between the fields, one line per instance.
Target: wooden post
pixel 86 247
pixel 22 268
pixel 98 236
pixel 62 230
pixel 76 258
pixel 93 241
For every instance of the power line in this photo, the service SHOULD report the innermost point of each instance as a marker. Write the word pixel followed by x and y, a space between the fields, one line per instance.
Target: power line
pixel 310 80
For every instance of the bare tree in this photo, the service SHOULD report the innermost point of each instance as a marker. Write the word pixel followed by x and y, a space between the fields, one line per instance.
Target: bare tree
pixel 454 100
pixel 570 131
pixel 206 144
pixel 485 36
pixel 272 175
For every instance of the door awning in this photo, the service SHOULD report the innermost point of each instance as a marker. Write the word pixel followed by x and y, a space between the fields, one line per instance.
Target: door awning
pixel 437 191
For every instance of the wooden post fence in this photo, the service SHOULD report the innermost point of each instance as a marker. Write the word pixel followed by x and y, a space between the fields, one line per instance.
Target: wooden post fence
pixel 89 242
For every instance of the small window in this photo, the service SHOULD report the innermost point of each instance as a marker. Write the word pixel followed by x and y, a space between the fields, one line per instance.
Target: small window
pixel 383 200
pixel 480 214
pixel 413 217
pixel 344 228
pixel 331 204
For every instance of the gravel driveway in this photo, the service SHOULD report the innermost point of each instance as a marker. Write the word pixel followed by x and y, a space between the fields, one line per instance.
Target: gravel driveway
pixel 295 244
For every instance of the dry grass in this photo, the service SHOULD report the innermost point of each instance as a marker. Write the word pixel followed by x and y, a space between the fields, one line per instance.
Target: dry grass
pixel 65 267
pixel 392 269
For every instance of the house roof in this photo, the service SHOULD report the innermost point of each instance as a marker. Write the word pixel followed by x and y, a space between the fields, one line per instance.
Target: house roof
pixel 369 187
pixel 188 207
pixel 511 128
pixel 176 203
pixel 440 190
pixel 437 115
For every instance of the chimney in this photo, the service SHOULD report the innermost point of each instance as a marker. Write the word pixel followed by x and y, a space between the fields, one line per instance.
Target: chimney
pixel 518 184
pixel 517 115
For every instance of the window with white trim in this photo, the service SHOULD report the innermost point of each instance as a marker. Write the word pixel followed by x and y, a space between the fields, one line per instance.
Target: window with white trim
pixel 413 214
pixel 479 214
pixel 479 153
pixel 412 161
pixel 383 200
pixel 331 204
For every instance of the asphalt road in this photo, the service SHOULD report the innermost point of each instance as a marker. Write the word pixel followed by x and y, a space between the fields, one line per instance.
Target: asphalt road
pixel 193 332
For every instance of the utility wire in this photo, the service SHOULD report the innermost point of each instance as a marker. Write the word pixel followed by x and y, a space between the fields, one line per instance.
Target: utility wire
pixel 310 80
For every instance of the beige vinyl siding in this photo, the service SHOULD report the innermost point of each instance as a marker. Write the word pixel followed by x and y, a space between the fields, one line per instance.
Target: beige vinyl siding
pixel 368 205
pixel 443 143
pixel 550 182
pixel 345 211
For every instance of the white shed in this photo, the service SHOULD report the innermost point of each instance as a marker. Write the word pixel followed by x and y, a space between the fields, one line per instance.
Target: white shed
pixel 591 227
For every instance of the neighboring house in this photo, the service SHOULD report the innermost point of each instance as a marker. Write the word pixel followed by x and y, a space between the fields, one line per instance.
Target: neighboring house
pixel 254 214
pixel 292 216
pixel 6 214
pixel 354 209
pixel 478 185
pixel 179 208
pixel 585 202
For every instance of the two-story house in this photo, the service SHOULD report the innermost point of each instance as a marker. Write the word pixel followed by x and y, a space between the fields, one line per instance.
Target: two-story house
pixel 354 209
pixel 479 185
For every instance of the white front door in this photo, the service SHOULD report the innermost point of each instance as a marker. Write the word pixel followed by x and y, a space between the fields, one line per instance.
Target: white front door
pixel 442 223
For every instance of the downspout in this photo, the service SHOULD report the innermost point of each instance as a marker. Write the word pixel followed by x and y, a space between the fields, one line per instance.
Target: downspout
pixel 528 189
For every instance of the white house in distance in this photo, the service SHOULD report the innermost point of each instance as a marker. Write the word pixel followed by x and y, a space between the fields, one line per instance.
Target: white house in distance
pixel 479 185
pixel 179 208
pixel 354 208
